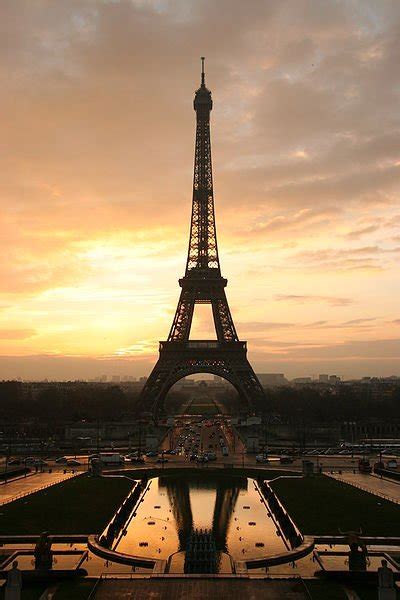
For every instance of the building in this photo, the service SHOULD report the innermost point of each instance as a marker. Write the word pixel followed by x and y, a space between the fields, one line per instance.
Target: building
pixel 272 379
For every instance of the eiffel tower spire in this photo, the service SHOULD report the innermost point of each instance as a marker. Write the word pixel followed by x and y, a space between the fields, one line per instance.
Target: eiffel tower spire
pixel 202 266
pixel 202 284
pixel 203 249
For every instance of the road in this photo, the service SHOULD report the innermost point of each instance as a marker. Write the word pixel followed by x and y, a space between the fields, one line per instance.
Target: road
pixel 197 439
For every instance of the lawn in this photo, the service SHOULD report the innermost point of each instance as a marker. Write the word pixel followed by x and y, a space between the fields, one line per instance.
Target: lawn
pixel 321 506
pixel 198 408
pixel 79 505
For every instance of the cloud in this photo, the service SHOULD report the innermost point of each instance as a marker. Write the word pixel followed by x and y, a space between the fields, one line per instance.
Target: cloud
pixel 354 349
pixel 264 327
pixel 16 334
pixel 331 300
pixel 357 233
pixel 97 170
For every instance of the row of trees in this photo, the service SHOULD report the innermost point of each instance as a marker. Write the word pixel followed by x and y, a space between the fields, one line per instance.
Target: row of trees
pixel 65 402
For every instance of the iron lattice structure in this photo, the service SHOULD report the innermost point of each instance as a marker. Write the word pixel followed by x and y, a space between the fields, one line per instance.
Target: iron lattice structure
pixel 202 284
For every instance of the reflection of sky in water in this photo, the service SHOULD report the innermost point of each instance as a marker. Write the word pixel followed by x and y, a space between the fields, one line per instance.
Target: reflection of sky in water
pixel 202 502
pixel 225 505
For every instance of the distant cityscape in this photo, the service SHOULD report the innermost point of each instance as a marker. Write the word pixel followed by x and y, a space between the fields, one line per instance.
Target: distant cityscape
pixel 266 379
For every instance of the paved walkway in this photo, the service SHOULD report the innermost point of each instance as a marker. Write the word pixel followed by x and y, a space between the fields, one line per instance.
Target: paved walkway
pixel 390 490
pixel 24 485
pixel 199 589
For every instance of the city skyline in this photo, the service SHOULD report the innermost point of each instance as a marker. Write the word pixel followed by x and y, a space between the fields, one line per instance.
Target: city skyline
pixel 98 166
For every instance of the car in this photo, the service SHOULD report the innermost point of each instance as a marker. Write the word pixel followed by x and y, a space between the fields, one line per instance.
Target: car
pixel 261 458
pixel 61 460
pixel 151 453
pixel 202 459
pixel 162 460
pixel 137 460
pixel 72 462
pixel 193 457
pixel 39 462
pixel 14 462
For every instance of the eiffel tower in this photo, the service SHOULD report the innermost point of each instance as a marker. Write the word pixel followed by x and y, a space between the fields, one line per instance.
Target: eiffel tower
pixel 202 284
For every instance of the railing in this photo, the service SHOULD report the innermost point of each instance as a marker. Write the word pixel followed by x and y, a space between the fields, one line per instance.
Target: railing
pixel 203 345
pixel 365 488
pixel 38 489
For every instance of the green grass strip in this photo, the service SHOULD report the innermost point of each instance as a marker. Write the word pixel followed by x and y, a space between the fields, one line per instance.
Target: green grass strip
pixel 321 506
pixel 79 505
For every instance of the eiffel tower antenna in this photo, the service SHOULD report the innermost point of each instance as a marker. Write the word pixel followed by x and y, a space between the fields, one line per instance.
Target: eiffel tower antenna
pixel 202 284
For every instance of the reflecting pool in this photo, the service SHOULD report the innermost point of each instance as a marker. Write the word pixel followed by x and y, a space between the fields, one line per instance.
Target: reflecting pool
pixel 230 508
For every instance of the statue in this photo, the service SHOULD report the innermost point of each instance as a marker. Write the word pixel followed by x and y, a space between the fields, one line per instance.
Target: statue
pixel 43 554
pixel 357 558
pixel 14 583
pixel 358 555
pixel 96 467
pixel 386 589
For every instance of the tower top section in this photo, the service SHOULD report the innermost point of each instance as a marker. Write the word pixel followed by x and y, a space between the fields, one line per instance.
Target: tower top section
pixel 202 103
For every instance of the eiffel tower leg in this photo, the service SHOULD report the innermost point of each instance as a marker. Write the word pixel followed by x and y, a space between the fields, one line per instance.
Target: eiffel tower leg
pixel 224 325
pixel 250 386
pixel 153 393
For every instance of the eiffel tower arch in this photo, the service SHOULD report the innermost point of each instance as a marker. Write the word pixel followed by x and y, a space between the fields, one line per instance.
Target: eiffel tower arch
pixel 202 284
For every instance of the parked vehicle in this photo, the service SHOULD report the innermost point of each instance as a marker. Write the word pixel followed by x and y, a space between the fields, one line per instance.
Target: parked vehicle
pixel 151 453
pixel 286 460
pixel 61 460
pixel 364 466
pixel 202 458
pixel 72 462
pixel 262 458
pixel 38 462
pixel 162 460
pixel 111 458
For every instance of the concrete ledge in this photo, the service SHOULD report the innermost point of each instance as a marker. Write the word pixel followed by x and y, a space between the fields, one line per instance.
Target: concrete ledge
pixel 284 557
pixel 368 540
pixel 255 472
pixel 158 566
pixel 32 539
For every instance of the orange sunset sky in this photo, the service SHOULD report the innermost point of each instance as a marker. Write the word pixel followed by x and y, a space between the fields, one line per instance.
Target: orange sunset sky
pixel 96 158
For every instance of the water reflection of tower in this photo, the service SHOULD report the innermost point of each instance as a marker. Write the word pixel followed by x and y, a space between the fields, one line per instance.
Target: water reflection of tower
pixel 227 493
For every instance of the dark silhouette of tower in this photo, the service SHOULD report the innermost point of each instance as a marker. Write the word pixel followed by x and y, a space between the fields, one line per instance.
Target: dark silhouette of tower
pixel 202 284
